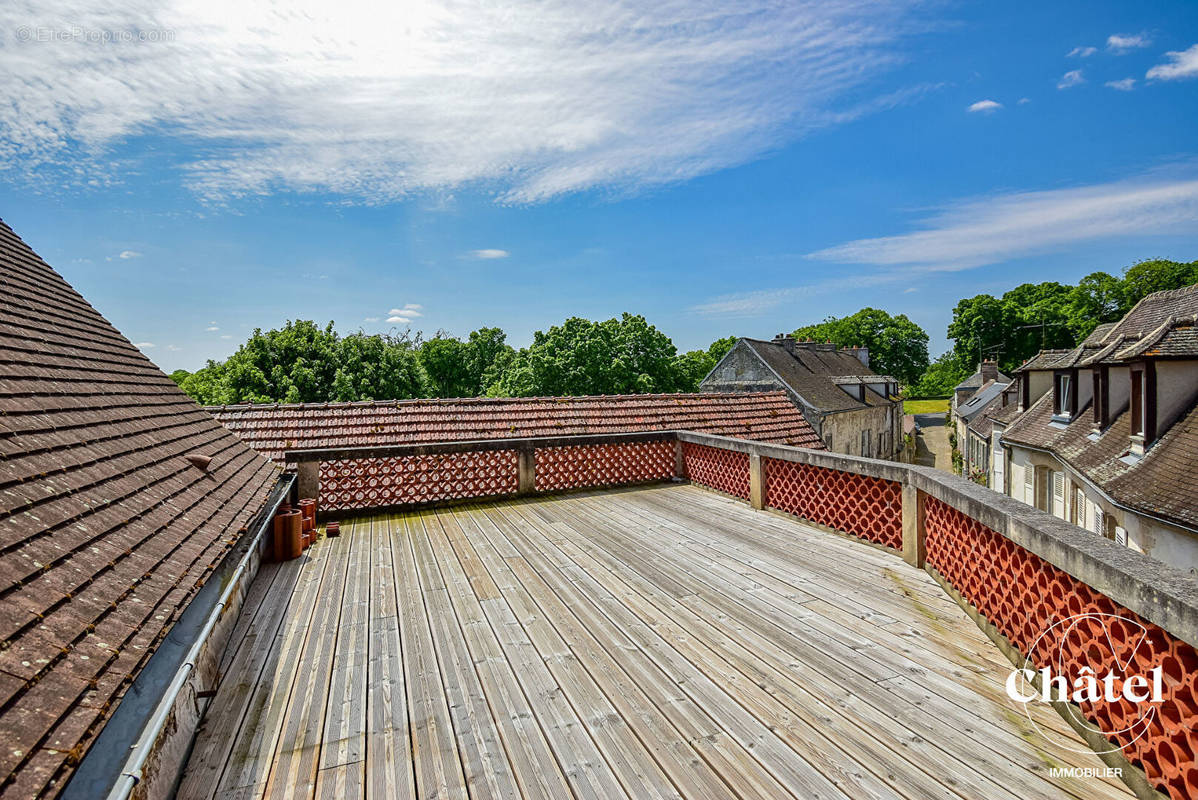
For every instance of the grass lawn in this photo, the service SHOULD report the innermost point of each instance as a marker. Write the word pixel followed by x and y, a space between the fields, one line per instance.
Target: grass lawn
pixel 925 406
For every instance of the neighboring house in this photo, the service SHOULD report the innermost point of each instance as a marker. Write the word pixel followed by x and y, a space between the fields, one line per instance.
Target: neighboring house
pixel 126 512
pixel 987 373
pixel 1106 434
pixel 853 409
pixel 975 424
pixel 277 427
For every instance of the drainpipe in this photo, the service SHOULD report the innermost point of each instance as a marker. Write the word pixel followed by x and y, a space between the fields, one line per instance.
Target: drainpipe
pixel 140 751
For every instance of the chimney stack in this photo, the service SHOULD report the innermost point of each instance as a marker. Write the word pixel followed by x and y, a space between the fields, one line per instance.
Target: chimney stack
pixel 989 370
pixel 787 341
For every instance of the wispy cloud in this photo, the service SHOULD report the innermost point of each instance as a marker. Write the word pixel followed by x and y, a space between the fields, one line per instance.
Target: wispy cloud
pixel 1124 85
pixel 1082 52
pixel 1073 77
pixel 1123 42
pixel 212 328
pixel 489 253
pixel 371 319
pixel 144 345
pixel 226 336
pixel 527 101
pixel 1181 64
pixel 173 348
pixel 985 106
pixel 405 314
pixel 990 230
pixel 127 254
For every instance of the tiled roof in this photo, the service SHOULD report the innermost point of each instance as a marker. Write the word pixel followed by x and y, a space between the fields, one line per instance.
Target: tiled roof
pixel 1098 336
pixel 273 428
pixel 810 373
pixel 976 380
pixel 1154 310
pixel 106 529
pixel 1176 338
pixel 1160 483
pixel 1048 359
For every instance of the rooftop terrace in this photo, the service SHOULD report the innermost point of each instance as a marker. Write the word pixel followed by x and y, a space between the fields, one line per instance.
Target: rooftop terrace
pixel 661 641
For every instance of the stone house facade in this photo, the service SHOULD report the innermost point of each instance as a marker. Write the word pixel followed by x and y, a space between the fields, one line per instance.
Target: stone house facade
pixel 853 409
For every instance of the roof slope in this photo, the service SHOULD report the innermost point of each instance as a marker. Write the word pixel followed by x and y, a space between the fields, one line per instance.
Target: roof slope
pixel 106 530
pixel 976 380
pixel 1161 483
pixel 980 400
pixel 810 373
pixel 273 428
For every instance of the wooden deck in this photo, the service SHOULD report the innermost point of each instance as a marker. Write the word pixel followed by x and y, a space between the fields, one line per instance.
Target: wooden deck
pixel 660 642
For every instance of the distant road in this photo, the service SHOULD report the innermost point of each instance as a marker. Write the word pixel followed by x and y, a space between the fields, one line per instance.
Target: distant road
pixel 931 447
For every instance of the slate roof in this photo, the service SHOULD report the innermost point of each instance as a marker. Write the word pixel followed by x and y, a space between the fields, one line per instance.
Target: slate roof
pixel 1161 483
pixel 1048 359
pixel 1099 334
pixel 810 373
pixel 106 530
pixel 976 380
pixel 273 428
pixel 980 400
pixel 1176 338
pixel 1154 310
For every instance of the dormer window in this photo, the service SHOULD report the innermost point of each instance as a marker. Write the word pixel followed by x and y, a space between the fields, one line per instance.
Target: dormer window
pixel 1065 394
pixel 1143 405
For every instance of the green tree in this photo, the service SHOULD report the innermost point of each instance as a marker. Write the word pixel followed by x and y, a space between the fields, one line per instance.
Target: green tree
pixel 180 375
pixel 1156 275
pixel 206 385
pixel 446 361
pixel 941 376
pixel 694 365
pixel 377 367
pixel 897 346
pixel 490 355
pixel 1097 298
pixel 580 356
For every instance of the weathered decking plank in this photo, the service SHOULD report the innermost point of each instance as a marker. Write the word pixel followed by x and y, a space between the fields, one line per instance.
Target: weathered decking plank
pixel 661 642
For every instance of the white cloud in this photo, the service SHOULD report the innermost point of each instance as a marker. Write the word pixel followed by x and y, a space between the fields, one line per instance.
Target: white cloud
pixel 1122 42
pixel 144 345
pixel 413 306
pixel 173 348
pixel 1082 52
pixel 1124 85
pixel 990 230
pixel 399 319
pixel 1073 77
pixel 985 106
pixel 409 310
pixel 1181 64
pixel 127 254
pixel 489 253
pixel 1023 101
pixel 211 328
pixel 527 101
pixel 226 336
pixel 371 319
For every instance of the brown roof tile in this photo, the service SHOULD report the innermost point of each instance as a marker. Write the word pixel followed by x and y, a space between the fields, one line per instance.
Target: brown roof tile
pixel 273 428
pixel 106 531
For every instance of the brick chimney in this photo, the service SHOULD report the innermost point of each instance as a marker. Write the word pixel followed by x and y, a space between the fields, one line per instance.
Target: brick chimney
pixel 989 370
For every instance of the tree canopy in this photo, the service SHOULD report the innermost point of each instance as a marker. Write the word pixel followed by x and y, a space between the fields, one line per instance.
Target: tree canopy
pixel 1035 316
pixel 897 346
pixel 580 356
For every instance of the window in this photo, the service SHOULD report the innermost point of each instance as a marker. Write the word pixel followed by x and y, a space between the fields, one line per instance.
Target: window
pixel 1077 507
pixel 1044 489
pixel 1065 395
pixel 865 444
pixel 1100 398
pixel 1058 494
pixel 828 441
pixel 1143 401
pixel 1137 401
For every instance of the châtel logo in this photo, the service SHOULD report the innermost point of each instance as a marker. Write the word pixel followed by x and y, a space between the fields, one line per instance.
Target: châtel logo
pixel 1066 678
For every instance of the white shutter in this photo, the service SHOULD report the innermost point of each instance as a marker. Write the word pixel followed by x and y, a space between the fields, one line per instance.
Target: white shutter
pixel 1058 494
pixel 1120 536
pixel 1079 500
pixel 1098 521
pixel 1029 484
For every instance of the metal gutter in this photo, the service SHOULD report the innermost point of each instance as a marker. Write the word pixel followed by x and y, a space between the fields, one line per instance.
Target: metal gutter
pixel 98 775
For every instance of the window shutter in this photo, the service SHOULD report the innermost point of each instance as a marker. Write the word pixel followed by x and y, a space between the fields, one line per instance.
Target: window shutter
pixel 1029 484
pixel 1058 494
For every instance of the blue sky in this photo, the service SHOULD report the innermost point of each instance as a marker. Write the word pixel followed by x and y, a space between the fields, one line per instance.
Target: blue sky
pixel 201 170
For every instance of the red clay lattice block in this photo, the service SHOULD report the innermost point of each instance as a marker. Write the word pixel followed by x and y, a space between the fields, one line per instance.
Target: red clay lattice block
pixel 1023 595
pixel 578 466
pixel 870 508
pixel 724 470
pixel 406 480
